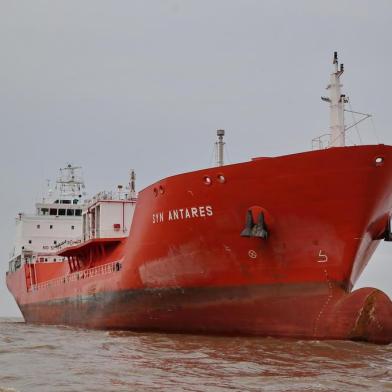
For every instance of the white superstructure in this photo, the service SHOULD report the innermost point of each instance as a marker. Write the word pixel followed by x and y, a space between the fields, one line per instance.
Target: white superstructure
pixel 62 220
pixel 109 214
pixel 58 218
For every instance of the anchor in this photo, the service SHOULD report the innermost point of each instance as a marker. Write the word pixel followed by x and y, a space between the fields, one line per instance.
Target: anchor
pixel 258 230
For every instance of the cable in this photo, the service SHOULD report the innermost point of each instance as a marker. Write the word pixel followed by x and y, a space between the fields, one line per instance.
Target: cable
pixel 355 123
pixel 375 131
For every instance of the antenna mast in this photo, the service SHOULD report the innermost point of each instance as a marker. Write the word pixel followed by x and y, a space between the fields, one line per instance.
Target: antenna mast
pixel 132 184
pixel 336 104
pixel 70 183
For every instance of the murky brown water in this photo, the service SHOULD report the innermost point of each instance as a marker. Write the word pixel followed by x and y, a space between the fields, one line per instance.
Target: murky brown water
pixel 41 358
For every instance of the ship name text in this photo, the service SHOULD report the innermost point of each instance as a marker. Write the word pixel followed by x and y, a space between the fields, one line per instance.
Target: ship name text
pixel 182 213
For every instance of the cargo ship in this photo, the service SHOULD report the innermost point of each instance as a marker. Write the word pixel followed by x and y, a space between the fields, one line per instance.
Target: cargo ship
pixel 268 247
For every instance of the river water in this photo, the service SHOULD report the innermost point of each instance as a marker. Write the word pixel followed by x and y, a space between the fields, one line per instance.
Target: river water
pixel 46 358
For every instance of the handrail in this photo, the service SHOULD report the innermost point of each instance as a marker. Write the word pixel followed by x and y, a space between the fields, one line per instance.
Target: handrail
pixel 103 269
pixel 100 234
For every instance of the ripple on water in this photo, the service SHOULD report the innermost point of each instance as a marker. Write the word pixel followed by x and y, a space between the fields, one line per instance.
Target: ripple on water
pixel 68 359
pixel 2 389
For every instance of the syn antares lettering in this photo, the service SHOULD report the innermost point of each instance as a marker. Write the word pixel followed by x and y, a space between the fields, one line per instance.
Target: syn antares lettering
pixel 183 214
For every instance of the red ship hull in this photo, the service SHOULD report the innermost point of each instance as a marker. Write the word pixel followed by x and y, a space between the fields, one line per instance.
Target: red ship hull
pixel 185 266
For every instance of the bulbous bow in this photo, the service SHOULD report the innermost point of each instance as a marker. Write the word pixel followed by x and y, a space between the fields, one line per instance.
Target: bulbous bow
pixel 363 315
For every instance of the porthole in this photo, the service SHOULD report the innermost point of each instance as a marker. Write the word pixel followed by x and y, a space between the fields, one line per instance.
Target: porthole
pixel 161 189
pixel 155 192
pixel 221 178
pixel 379 161
pixel 207 180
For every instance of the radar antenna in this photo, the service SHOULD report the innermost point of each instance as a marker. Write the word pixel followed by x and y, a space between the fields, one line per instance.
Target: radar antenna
pixel 70 182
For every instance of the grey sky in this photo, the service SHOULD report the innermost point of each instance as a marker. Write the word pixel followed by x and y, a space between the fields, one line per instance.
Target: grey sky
pixel 113 85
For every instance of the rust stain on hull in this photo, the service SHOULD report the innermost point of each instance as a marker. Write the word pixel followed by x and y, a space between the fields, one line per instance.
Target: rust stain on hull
pixel 252 310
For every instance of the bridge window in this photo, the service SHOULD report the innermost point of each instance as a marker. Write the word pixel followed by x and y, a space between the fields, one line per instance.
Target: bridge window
pixel 44 211
pixel 78 212
pixel 53 211
pixel 70 212
pixel 61 211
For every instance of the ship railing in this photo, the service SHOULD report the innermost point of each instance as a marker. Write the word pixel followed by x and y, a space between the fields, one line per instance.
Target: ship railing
pixel 99 270
pixel 116 232
pixel 93 234
pixel 123 195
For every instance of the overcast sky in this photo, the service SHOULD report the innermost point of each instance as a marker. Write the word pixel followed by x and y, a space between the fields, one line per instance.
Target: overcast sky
pixel 114 85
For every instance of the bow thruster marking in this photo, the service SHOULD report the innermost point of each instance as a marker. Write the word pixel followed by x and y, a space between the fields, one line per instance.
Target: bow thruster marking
pixel 323 258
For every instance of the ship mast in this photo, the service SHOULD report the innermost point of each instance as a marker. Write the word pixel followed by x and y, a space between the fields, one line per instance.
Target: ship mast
pixel 219 145
pixel 132 185
pixel 70 182
pixel 336 104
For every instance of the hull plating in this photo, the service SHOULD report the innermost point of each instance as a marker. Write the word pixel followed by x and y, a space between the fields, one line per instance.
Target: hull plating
pixel 282 311
pixel 185 267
